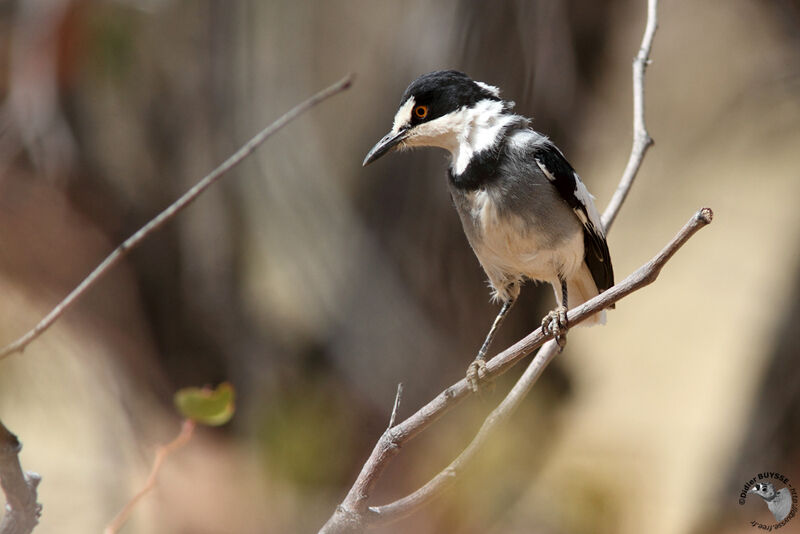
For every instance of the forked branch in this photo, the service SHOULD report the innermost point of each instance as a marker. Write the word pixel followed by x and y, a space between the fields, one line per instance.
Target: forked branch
pixel 354 510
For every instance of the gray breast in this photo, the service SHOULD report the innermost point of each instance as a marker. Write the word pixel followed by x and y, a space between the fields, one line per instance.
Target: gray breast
pixel 522 198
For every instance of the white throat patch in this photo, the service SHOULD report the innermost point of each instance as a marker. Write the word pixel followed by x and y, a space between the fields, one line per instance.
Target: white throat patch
pixel 463 132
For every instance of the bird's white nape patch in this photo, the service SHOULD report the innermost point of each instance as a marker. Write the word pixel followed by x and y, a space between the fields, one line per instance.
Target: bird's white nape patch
pixel 481 127
pixel 403 116
pixel 491 88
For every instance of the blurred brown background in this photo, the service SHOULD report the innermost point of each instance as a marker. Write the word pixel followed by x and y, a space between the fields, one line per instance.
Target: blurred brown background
pixel 315 286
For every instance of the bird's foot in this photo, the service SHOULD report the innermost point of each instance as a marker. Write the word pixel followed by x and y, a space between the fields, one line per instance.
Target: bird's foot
pixel 555 323
pixel 476 375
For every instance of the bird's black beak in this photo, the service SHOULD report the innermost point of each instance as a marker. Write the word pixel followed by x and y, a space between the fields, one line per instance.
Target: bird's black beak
pixel 383 146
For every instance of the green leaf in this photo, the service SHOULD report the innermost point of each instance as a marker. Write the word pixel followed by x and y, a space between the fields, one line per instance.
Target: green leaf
pixel 213 407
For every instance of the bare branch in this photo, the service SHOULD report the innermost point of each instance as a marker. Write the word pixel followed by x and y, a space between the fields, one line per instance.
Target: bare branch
pixel 447 477
pixel 22 510
pixel 645 275
pixel 187 430
pixel 170 212
pixel 350 515
pixel 353 510
pixel 641 139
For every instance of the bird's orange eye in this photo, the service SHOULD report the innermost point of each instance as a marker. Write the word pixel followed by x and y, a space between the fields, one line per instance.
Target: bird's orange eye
pixel 421 112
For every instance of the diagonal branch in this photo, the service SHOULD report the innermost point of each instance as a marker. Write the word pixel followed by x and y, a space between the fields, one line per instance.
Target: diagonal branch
pixel 170 212
pixel 22 510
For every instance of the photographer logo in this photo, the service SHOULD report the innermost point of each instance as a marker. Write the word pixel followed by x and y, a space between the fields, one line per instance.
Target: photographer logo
pixel 774 491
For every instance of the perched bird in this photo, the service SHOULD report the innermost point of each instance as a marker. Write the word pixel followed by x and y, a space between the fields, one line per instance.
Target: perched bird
pixel 779 502
pixel 525 211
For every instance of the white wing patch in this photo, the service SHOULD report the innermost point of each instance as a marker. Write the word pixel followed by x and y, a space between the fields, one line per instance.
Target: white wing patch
pixel 545 170
pixel 585 197
pixel 582 195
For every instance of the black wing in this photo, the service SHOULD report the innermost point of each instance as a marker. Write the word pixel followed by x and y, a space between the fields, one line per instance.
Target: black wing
pixel 566 181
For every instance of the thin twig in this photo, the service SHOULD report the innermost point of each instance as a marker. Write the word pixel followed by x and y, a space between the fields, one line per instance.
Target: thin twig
pixel 170 212
pixel 187 430
pixel 641 139
pixel 397 399
pixel 22 510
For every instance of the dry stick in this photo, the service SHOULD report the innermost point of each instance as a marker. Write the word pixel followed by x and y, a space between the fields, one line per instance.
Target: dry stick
pixel 645 275
pixel 351 514
pixel 641 139
pixel 397 399
pixel 170 212
pixel 22 510
pixel 187 429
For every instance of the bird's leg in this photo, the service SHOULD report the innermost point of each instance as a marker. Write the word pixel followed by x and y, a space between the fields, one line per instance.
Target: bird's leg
pixel 555 322
pixel 477 369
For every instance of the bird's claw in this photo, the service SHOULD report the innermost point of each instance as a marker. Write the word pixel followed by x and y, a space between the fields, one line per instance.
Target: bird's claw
pixel 555 323
pixel 476 374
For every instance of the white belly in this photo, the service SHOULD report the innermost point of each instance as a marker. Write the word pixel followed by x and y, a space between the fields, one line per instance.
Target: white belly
pixel 510 248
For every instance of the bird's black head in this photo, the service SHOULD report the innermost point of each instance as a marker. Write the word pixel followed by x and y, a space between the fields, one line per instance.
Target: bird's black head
pixel 764 489
pixel 426 106
pixel 443 92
